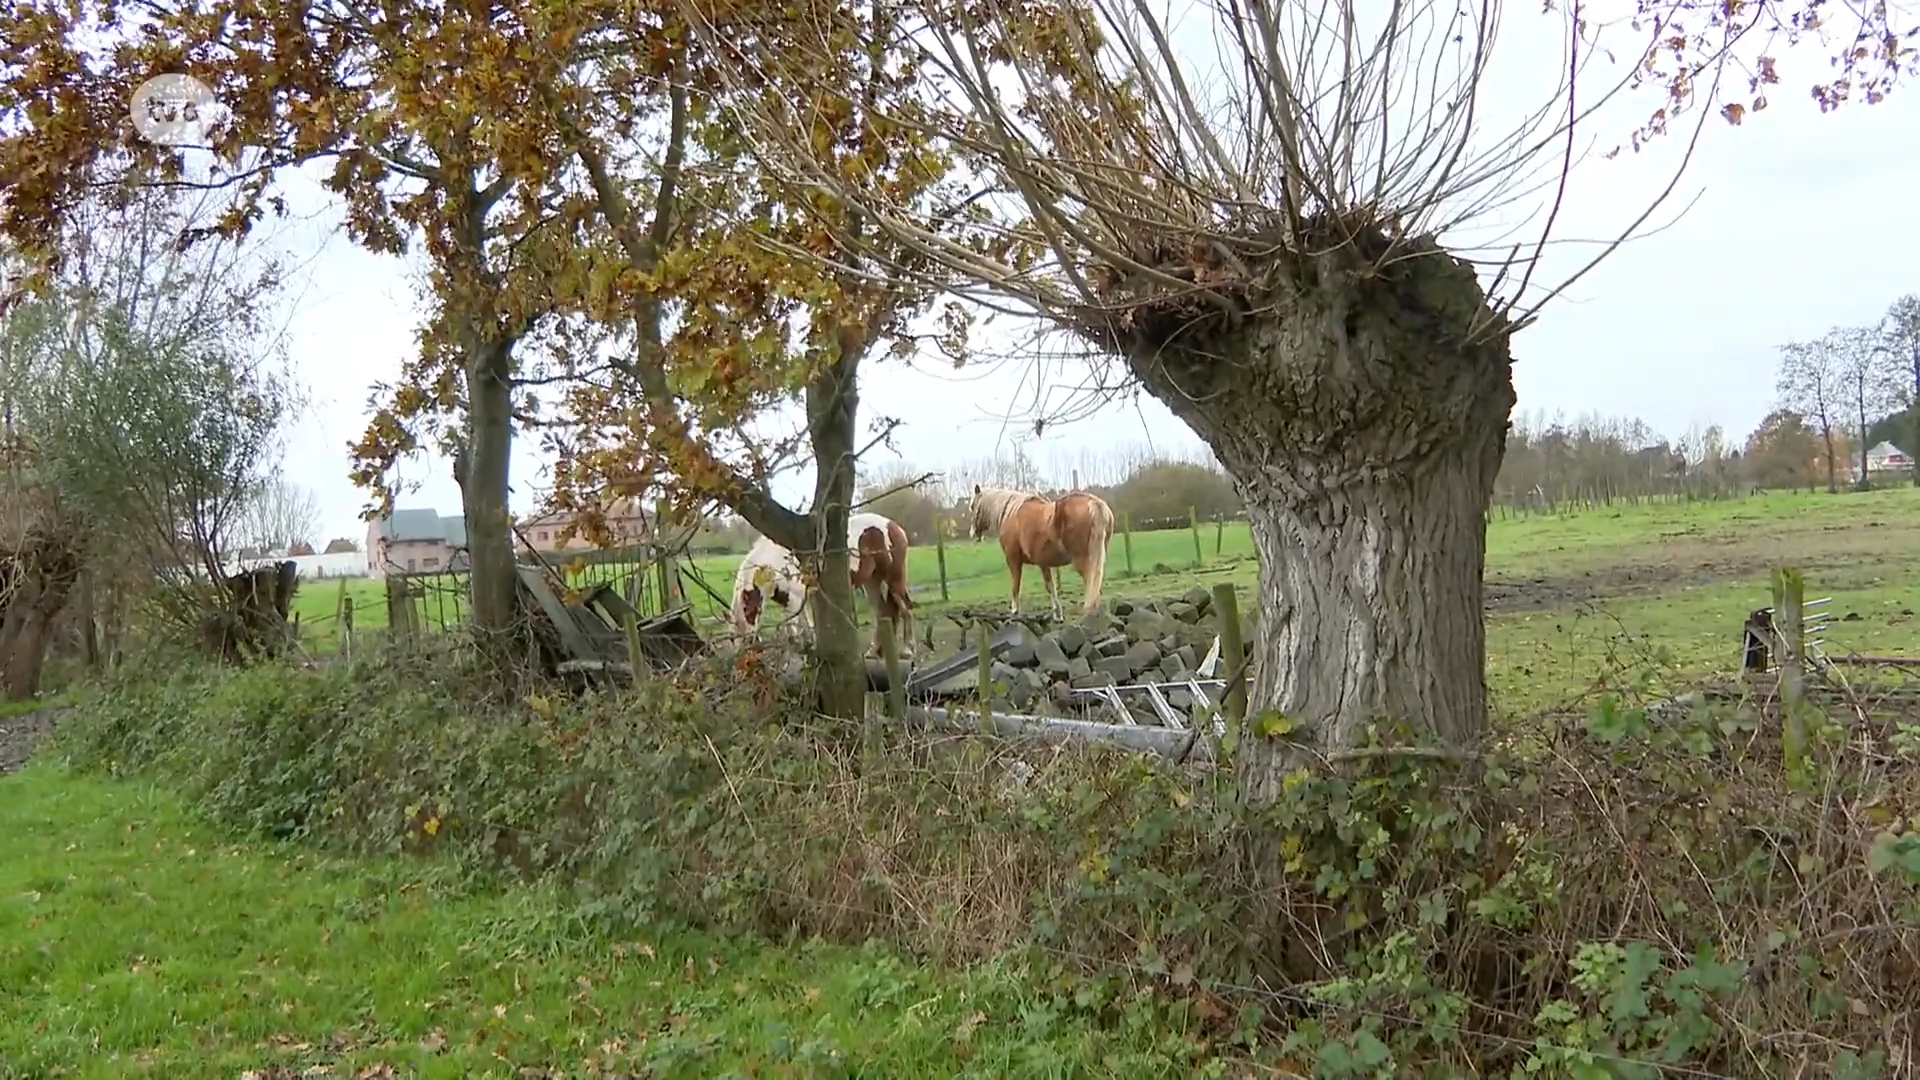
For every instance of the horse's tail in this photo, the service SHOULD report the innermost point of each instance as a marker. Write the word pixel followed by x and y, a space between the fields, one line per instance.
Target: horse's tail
pixel 1100 517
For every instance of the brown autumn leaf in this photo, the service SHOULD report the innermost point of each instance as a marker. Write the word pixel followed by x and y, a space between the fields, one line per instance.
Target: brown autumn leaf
pixel 1734 112
pixel 434 1041
pixel 374 1072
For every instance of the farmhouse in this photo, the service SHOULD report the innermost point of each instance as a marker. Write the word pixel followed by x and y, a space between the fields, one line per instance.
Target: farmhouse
pixel 1888 458
pixel 542 533
pixel 416 541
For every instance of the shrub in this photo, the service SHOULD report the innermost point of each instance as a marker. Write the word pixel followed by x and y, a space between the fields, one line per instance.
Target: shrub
pixel 1637 887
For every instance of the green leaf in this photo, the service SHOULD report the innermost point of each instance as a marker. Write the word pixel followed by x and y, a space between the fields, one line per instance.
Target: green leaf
pixel 1272 724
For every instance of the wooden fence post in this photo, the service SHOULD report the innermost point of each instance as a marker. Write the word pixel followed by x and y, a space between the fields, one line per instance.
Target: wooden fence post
pixel 1789 594
pixel 346 623
pixel 986 678
pixel 1126 540
pixel 1219 533
pixel 1193 522
pixel 896 679
pixel 1233 652
pixel 402 620
pixel 940 554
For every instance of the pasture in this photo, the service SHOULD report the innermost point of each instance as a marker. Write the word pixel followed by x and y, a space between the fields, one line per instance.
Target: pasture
pixel 1661 584
pixel 298 964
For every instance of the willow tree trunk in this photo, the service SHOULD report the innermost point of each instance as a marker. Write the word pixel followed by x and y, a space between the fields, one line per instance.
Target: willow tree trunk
pixel 833 403
pixel 1363 424
pixel 483 476
pixel 35 582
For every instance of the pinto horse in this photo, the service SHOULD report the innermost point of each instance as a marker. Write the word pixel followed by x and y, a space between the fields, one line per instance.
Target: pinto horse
pixel 1048 533
pixel 877 565
pixel 768 572
pixel 877 547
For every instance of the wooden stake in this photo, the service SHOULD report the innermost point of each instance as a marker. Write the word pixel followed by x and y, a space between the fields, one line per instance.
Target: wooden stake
pixel 1233 653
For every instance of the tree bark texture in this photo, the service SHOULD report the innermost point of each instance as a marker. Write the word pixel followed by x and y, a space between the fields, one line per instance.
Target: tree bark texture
pixel 483 488
pixel 35 582
pixel 832 403
pixel 1363 425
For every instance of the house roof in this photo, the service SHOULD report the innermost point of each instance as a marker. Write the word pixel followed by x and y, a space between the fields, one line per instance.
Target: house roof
pixel 619 508
pixel 1886 448
pixel 404 525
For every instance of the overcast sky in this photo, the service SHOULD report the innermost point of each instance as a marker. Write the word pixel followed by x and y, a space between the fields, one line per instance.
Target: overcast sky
pixel 1797 222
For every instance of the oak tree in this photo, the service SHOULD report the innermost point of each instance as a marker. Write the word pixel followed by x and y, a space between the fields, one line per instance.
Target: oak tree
pixel 411 105
pixel 733 293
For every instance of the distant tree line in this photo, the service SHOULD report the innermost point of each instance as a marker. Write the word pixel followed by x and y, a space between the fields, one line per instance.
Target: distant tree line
pixel 1550 464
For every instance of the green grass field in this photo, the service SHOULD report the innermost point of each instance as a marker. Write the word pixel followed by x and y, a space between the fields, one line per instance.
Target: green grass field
pixel 1568 594
pixel 136 942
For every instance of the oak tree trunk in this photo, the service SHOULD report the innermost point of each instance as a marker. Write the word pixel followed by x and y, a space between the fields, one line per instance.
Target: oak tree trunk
pixel 1363 424
pixel 832 402
pixel 483 477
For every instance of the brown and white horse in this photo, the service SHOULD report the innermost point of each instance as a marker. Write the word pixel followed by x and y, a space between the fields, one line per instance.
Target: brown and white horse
pixel 877 552
pixel 1048 533
pixel 769 572
pixel 876 564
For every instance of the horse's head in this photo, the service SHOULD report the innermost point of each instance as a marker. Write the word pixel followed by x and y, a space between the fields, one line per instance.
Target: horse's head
pixel 977 513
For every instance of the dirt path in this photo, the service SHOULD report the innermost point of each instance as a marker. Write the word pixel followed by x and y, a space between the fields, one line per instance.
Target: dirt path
pixel 19 735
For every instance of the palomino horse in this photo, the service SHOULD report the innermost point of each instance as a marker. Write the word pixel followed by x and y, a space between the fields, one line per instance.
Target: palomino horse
pixel 877 565
pixel 877 546
pixel 768 572
pixel 1049 534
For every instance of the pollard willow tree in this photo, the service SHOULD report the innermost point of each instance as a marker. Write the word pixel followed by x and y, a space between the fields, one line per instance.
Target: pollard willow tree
pixel 1270 263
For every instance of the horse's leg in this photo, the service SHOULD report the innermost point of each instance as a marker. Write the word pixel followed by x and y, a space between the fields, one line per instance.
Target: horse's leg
pixel 906 636
pixel 1013 571
pixel 877 600
pixel 1052 583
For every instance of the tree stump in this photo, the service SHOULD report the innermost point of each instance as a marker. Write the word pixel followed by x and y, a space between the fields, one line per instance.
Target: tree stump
pixel 253 621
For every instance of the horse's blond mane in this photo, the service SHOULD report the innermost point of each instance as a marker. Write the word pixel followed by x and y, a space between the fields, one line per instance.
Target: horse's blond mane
pixel 996 505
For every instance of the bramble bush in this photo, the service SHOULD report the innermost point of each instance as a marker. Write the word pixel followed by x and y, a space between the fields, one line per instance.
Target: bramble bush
pixel 1618 894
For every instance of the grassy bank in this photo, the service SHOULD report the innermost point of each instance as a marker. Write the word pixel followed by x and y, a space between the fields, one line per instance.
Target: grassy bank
pixel 136 941
pixel 1400 921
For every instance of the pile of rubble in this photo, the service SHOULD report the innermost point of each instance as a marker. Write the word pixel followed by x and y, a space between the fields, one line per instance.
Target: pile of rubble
pixel 1170 642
